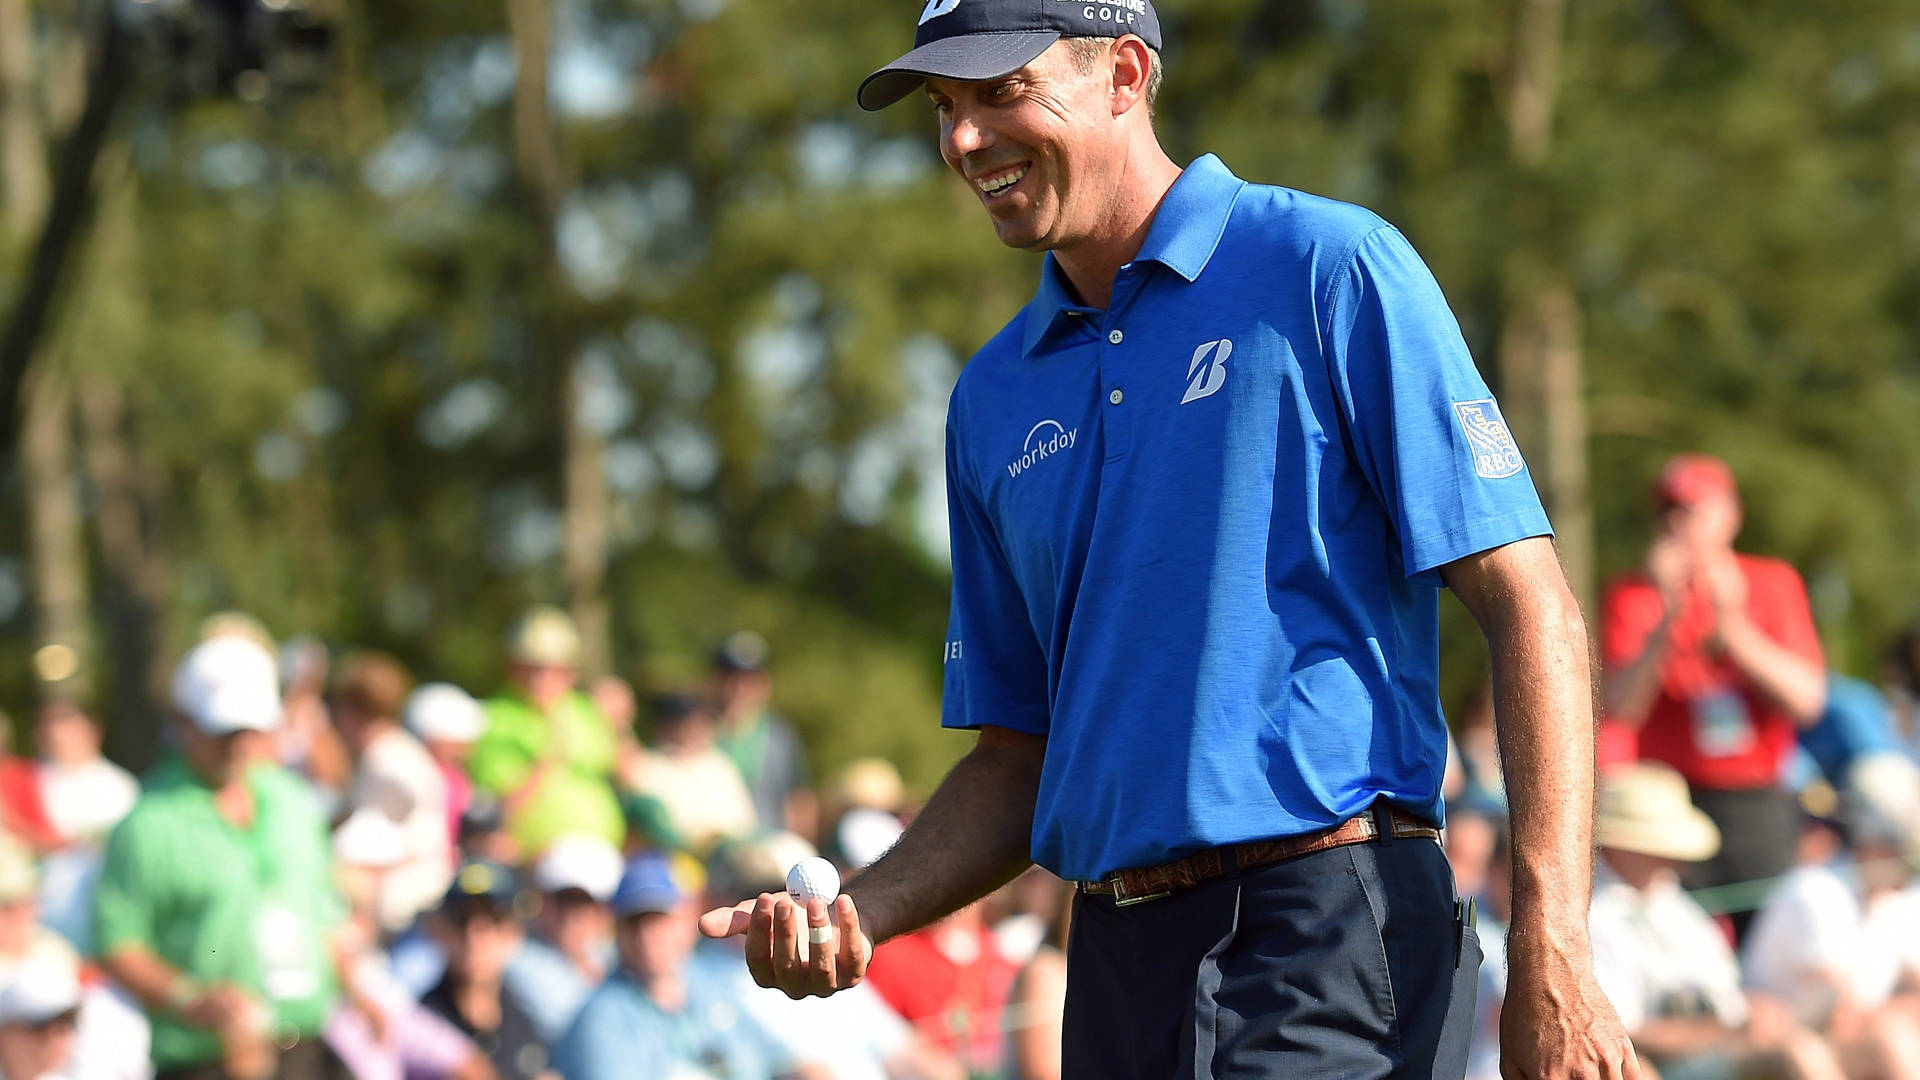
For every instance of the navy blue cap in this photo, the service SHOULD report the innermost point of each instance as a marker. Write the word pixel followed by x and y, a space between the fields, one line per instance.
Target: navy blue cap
pixel 985 39
pixel 482 880
pixel 647 886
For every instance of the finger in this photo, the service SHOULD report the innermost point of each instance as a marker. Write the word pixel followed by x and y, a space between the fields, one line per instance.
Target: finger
pixel 789 973
pixel 855 950
pixel 727 922
pixel 760 941
pixel 822 962
pixel 1630 1068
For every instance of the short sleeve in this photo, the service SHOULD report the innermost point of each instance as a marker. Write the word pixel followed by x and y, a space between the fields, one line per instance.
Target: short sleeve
pixel 996 673
pixel 1781 608
pixel 1629 612
pixel 126 897
pixel 602 1045
pixel 1422 425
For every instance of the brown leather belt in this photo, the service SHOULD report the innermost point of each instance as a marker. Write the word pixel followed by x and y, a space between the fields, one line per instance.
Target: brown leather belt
pixel 1153 882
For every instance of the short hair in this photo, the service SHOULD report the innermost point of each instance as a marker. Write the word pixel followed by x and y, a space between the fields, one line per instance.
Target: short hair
pixel 1086 50
pixel 372 684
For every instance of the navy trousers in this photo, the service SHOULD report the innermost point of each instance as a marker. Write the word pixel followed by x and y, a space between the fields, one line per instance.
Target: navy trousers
pixel 1351 963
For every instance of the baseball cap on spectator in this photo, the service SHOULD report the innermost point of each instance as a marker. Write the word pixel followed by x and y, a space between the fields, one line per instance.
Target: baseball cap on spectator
pixel 226 684
pixel 40 991
pixel 19 877
pixel 872 783
pixel 1645 808
pixel 985 39
pixel 1882 801
pixel 371 839
pixel 442 712
pixel 864 835
pixel 483 882
pixel 587 863
pixel 648 885
pixel 740 869
pixel 742 652
pixel 1687 479
pixel 544 637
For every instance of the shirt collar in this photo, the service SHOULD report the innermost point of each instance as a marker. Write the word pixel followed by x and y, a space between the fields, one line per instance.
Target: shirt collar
pixel 1186 231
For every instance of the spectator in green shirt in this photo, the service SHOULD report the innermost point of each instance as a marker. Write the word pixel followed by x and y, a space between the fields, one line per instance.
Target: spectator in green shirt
pixel 548 751
pixel 216 907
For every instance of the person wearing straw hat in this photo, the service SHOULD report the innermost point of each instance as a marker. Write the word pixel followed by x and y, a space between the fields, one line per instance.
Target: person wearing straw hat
pixel 1662 960
pixel 1204 490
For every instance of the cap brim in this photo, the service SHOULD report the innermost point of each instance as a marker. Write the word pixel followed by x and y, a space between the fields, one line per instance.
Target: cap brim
pixel 966 57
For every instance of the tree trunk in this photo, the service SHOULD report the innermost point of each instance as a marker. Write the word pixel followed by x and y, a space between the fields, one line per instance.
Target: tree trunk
pixel 586 509
pixel 23 144
pixel 1542 368
pixel 56 541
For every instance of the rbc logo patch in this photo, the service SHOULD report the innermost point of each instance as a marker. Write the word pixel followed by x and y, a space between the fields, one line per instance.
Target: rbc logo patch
pixel 937 8
pixel 1494 454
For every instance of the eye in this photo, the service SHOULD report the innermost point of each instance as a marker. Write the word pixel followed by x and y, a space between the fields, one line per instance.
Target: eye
pixel 998 91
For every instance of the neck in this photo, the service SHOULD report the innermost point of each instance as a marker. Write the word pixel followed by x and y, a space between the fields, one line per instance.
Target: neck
pixel 1091 263
pixel 666 990
pixel 479 1002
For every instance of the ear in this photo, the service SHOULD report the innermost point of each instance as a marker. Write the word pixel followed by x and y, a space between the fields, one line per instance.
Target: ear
pixel 1132 64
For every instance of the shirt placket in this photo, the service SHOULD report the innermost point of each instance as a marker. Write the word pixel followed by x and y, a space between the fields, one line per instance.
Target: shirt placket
pixel 1115 365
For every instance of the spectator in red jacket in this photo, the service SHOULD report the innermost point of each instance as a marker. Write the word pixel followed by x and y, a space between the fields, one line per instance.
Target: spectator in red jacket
pixel 1712 655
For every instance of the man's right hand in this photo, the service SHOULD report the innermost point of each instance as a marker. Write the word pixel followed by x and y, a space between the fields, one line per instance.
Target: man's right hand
pixel 774 925
pixel 218 1008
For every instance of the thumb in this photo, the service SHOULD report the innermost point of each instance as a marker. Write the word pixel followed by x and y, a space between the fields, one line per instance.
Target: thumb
pixel 727 922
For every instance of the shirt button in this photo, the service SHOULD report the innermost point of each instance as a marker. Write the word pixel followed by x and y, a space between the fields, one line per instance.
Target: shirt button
pixel 1116 397
pixel 1116 337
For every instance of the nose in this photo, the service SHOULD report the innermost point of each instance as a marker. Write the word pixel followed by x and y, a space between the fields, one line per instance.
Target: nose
pixel 964 135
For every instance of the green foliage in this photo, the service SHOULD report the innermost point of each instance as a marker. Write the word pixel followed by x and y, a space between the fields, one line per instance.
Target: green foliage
pixel 335 324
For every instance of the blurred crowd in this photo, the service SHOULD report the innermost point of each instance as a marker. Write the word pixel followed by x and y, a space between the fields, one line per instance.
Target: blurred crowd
pixel 336 872
pixel 339 871
pixel 1754 910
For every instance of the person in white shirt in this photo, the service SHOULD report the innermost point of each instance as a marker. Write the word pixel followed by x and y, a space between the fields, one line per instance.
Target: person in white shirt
pixel 698 787
pixel 84 793
pixel 1664 963
pixel 395 776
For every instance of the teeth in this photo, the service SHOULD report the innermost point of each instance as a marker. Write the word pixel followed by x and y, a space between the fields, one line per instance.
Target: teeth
pixel 1002 183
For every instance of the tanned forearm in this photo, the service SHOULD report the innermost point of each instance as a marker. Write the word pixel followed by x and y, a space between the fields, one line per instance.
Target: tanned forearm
pixel 152 981
pixel 972 837
pixel 1543 706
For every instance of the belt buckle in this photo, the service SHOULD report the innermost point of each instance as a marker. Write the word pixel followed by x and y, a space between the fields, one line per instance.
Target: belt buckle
pixel 1121 899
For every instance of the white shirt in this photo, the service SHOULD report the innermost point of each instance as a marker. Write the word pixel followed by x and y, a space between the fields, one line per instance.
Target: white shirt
pixel 1659 954
pixel 1808 927
pixel 85 801
pixel 399 778
pixel 1890 945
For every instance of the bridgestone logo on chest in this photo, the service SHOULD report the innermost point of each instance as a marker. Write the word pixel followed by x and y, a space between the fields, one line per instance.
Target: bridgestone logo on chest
pixel 1048 437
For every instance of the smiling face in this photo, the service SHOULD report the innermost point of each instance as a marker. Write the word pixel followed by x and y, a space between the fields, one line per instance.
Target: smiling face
pixel 1041 148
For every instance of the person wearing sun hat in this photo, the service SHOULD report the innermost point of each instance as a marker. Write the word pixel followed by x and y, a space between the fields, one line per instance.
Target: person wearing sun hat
pixel 1661 959
pixel 216 901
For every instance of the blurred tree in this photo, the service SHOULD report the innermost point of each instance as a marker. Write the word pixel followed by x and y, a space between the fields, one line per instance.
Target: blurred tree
pixel 352 358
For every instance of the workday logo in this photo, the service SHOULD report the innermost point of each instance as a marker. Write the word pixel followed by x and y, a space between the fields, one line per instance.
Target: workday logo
pixel 937 8
pixel 1207 371
pixel 1048 437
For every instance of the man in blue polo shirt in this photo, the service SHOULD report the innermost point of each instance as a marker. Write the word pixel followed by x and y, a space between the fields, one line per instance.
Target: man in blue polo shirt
pixel 1204 490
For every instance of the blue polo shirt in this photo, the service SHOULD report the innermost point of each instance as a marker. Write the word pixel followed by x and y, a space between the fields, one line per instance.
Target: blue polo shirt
pixel 1197 535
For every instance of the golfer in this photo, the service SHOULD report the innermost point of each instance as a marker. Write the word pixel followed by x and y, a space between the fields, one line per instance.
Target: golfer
pixel 1204 491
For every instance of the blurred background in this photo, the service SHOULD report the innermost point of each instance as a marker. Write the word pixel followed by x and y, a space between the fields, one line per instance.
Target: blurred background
pixel 382 322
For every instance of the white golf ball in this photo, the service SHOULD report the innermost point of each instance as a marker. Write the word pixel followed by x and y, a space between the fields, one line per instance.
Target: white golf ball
pixel 813 878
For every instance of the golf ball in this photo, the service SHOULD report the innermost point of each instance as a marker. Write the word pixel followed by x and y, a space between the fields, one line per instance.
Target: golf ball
pixel 813 878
